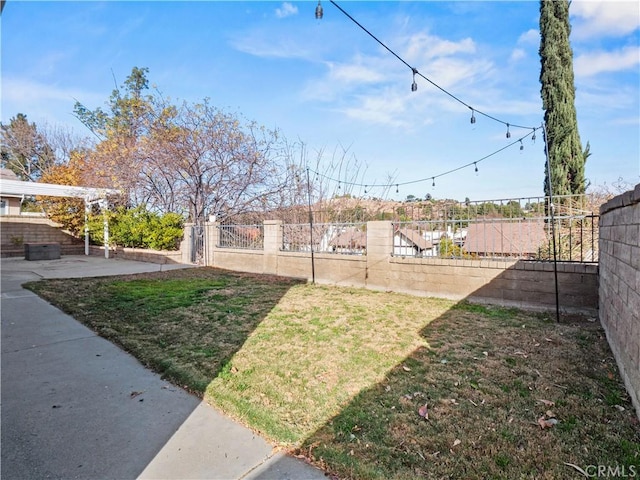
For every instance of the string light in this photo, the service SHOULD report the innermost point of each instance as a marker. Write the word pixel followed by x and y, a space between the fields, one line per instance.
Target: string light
pixel 431 177
pixel 319 11
pixel 365 188
pixel 414 87
pixel 415 72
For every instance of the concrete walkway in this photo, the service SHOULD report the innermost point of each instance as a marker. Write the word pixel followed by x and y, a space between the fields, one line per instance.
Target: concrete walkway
pixel 76 406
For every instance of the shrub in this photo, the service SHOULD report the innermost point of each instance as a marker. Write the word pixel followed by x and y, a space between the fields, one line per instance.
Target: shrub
pixel 138 228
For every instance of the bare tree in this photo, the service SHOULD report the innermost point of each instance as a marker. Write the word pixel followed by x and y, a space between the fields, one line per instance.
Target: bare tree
pixel 208 162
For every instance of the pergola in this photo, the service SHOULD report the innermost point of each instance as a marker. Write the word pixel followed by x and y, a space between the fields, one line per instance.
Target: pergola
pixel 18 188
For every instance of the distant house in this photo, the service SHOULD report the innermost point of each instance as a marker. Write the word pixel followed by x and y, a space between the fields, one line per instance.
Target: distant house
pixel 505 239
pixel 9 204
pixel 410 243
pixel 349 240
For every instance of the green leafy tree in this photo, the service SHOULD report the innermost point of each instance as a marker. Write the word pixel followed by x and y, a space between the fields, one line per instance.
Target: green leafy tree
pixel 566 157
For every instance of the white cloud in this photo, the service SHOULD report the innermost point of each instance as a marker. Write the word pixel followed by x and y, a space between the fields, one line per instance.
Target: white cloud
pixel 594 63
pixel 530 37
pixel 257 45
pixel 41 101
pixel 23 90
pixel 422 47
pixel 381 109
pixel 354 73
pixel 604 18
pixel 286 10
pixel 517 54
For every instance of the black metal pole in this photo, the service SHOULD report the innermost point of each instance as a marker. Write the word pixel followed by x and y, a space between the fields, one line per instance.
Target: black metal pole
pixel 553 223
pixel 313 262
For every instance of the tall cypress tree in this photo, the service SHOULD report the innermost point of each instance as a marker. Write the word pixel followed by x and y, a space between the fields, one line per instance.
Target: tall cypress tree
pixel 566 157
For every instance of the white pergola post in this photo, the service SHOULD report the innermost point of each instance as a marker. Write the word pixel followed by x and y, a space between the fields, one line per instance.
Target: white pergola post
pixel 105 226
pixel 86 226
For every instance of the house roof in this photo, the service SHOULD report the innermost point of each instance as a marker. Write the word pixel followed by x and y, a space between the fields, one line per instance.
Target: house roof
pixel 350 238
pixel 414 237
pixel 503 237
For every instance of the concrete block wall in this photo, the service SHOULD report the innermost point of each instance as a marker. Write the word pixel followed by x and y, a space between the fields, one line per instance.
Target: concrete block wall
pixel 620 284
pixel 15 231
pixel 161 257
pixel 523 284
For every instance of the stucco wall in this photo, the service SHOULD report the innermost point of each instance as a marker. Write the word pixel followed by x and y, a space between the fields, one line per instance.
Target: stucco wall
pixel 511 283
pixel 620 284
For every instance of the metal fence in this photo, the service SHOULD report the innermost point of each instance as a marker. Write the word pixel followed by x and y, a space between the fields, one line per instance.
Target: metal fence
pixel 249 237
pixel 196 250
pixel 520 228
pixel 344 238
pixel 525 238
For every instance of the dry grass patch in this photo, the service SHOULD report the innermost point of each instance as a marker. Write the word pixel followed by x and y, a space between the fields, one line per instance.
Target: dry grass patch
pixel 314 352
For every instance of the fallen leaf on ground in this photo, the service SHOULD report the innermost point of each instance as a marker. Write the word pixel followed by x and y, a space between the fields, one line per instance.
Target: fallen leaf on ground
pixel 546 423
pixel 456 442
pixel 423 412
pixel 548 403
pixel 405 368
pixel 134 394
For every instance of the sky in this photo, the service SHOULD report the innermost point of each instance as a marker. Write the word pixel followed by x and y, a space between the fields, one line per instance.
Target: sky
pixel 330 85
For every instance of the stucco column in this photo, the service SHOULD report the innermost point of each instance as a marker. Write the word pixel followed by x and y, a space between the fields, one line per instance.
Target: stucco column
pixel 379 250
pixel 272 245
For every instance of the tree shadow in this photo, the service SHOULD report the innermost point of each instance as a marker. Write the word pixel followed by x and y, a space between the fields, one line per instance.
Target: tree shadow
pixel 472 403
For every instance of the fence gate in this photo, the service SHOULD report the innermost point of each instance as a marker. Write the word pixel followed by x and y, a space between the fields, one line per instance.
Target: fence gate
pixel 197 244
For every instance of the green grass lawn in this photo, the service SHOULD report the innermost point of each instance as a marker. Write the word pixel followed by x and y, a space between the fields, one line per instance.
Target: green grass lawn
pixel 374 384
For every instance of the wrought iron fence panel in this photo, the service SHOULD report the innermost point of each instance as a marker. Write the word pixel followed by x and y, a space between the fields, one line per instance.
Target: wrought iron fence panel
pixel 523 238
pixel 344 238
pixel 249 237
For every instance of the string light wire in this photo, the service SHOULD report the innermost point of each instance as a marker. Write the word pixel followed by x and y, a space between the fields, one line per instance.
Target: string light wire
pixel 431 178
pixel 416 72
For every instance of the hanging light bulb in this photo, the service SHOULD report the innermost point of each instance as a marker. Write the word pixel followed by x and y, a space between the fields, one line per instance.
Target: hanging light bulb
pixel 397 189
pixel 365 188
pixel 508 132
pixel 414 85
pixel 433 179
pixel 533 138
pixel 521 145
pixel 339 185
pixel 475 165
pixel 319 11
pixel 473 117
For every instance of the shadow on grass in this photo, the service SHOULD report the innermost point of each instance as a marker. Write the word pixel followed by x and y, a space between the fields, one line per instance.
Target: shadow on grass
pixel 471 405
pixel 184 324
